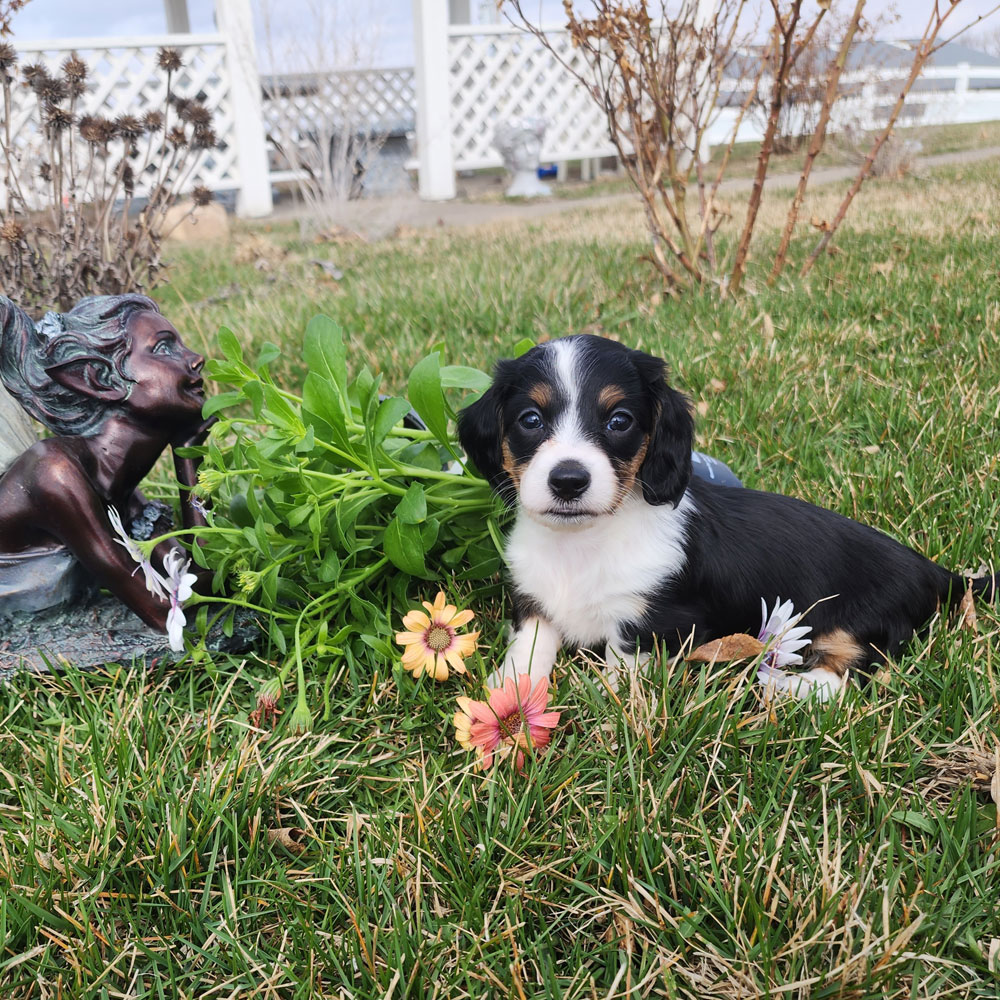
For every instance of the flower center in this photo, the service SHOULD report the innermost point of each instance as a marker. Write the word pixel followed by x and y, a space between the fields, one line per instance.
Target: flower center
pixel 438 638
pixel 510 726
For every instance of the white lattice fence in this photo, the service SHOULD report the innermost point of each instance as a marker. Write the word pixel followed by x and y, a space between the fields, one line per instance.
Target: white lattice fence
pixel 124 78
pixel 499 74
pixel 378 100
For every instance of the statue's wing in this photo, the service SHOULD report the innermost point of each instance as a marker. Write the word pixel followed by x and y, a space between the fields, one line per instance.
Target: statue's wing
pixel 17 430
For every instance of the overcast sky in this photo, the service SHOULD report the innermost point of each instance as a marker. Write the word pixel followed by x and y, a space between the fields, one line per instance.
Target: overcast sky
pixel 381 30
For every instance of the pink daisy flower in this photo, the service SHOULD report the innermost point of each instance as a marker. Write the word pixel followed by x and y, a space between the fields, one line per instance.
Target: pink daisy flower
pixel 514 718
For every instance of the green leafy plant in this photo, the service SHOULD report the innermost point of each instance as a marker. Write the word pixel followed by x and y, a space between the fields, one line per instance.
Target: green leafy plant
pixel 326 505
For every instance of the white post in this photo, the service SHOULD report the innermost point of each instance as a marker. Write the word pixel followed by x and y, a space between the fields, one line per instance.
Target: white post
pixel 436 162
pixel 235 21
pixel 178 22
pixel 962 82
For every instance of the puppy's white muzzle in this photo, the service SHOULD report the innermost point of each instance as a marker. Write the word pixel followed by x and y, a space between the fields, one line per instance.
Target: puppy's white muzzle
pixel 567 481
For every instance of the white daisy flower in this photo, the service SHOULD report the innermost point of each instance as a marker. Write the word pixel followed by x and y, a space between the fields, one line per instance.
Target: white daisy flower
pixel 180 586
pixel 176 587
pixel 154 582
pixel 781 634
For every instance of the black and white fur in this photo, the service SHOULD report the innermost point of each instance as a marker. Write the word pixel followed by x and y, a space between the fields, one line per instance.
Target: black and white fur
pixel 615 544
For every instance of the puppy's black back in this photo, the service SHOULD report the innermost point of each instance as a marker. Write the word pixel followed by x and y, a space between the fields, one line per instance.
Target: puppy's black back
pixel 744 545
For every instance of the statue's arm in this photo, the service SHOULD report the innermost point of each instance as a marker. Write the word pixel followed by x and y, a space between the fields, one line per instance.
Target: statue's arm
pixel 186 470
pixel 72 511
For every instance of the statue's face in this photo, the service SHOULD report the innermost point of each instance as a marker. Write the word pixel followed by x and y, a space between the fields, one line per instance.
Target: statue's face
pixel 168 385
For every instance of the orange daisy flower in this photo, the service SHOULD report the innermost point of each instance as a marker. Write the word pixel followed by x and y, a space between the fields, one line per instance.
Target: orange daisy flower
pixel 431 641
pixel 514 717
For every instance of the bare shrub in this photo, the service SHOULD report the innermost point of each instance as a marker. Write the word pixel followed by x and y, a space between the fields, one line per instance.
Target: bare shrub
pixel 321 123
pixel 805 89
pixel 658 77
pixel 893 160
pixel 70 185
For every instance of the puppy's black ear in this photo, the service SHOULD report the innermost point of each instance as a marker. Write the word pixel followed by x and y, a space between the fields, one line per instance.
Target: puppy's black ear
pixel 480 431
pixel 665 471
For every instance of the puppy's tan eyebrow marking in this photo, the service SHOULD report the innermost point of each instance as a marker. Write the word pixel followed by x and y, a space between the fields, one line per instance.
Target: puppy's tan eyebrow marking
pixel 628 472
pixel 540 393
pixel 610 396
pixel 509 463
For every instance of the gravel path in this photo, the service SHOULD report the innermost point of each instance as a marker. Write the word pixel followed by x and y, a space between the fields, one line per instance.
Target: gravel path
pixel 378 217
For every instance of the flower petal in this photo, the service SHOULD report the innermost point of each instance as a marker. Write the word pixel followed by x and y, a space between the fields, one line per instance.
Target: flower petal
pixel 503 700
pixel 175 628
pixel 415 654
pixel 443 616
pixel 483 735
pixel 461 618
pixel 409 638
pixel 465 644
pixel 535 702
pixel 454 661
pixel 416 621
pixel 481 711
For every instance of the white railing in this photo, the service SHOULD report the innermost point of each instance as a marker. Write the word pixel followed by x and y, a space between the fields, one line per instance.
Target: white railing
pixel 942 95
pixel 470 78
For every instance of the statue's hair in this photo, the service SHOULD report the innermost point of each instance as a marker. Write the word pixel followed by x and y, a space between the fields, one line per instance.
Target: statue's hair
pixel 94 333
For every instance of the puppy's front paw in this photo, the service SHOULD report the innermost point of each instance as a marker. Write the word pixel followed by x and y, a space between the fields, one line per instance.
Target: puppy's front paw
pixel 818 683
pixel 620 664
pixel 533 651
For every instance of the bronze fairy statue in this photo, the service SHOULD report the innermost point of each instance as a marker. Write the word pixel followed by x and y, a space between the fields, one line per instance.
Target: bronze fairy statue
pixel 114 383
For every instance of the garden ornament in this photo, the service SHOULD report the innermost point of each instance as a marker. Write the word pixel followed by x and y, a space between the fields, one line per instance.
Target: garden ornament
pixel 115 385
pixel 519 142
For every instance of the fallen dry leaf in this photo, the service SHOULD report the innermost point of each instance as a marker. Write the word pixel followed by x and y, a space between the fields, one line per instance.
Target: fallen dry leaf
pixel 960 765
pixel 716 385
pixel 701 408
pixel 739 646
pixel 768 325
pixel 289 837
pixel 820 224
pixel 967 609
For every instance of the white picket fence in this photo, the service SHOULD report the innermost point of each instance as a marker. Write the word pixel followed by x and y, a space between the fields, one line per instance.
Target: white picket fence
pixel 472 77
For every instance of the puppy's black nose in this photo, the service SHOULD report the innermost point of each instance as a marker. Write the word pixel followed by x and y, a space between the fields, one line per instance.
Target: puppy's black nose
pixel 569 480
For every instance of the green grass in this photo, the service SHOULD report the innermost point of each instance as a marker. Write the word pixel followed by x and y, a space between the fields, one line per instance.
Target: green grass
pixel 682 840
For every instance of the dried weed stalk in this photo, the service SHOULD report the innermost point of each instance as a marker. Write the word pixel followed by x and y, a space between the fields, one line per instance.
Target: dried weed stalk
pixel 659 80
pixel 69 226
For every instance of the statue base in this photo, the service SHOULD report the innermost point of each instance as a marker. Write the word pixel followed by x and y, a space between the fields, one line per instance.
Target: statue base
pixel 527 185
pixel 99 632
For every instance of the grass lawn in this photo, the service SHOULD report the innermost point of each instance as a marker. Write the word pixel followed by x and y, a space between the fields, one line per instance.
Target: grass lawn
pixel 685 839
pixel 837 152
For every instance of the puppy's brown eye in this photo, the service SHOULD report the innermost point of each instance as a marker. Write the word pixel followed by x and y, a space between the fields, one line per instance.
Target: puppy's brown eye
pixel 531 420
pixel 619 422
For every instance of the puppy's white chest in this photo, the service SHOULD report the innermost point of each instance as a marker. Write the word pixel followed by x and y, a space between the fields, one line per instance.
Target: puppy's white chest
pixel 589 580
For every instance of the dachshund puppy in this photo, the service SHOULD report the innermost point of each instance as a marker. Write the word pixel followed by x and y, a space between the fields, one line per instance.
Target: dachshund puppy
pixel 616 544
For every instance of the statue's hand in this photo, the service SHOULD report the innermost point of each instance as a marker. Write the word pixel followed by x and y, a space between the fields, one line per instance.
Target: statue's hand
pixel 194 434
